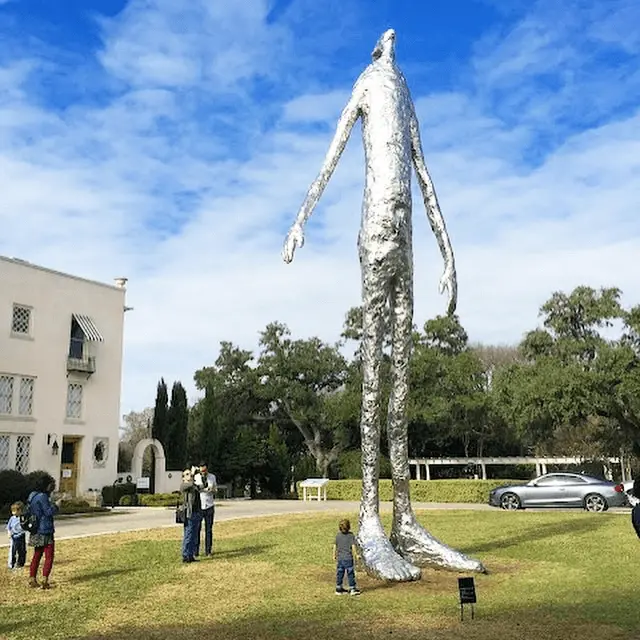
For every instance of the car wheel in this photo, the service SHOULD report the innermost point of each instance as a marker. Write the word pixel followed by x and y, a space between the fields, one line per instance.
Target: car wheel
pixel 595 503
pixel 510 502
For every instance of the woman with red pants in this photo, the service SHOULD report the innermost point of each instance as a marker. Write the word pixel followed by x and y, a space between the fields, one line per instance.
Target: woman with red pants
pixel 42 539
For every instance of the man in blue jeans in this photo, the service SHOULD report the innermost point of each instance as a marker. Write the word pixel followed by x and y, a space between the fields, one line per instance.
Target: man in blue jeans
pixel 206 482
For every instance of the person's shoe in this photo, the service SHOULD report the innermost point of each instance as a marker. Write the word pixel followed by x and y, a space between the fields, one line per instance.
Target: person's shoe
pixel 340 591
pixel 354 592
pixel 194 559
pixel 33 583
pixel 45 583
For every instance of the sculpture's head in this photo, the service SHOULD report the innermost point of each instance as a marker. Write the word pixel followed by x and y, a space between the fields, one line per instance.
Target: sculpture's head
pixel 385 47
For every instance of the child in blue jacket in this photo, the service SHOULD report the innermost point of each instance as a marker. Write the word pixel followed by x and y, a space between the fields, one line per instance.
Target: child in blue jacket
pixel 18 546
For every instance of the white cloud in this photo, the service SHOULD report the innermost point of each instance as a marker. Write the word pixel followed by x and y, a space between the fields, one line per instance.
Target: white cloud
pixel 161 43
pixel 191 199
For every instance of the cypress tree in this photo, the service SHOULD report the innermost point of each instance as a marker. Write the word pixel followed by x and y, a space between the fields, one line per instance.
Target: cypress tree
pixel 177 427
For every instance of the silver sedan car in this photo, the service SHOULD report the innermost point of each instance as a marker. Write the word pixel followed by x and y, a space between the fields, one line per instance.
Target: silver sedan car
pixel 561 490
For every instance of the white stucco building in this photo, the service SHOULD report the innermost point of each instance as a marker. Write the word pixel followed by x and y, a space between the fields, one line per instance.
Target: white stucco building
pixel 60 375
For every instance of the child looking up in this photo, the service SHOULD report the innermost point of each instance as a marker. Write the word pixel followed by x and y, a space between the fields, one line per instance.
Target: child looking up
pixel 344 551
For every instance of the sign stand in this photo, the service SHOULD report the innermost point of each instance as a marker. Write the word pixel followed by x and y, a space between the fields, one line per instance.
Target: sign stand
pixel 467 590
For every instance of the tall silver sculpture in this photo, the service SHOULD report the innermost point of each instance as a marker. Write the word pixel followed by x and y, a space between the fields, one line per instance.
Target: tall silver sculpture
pixel 392 145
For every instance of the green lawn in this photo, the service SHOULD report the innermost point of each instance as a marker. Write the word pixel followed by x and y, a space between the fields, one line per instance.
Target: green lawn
pixel 553 575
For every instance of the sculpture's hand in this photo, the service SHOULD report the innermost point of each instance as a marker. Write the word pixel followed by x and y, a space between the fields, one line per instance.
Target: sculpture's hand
pixel 450 283
pixel 294 240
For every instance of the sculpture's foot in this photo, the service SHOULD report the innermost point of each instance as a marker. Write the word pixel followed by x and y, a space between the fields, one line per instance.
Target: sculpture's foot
pixel 378 557
pixel 414 543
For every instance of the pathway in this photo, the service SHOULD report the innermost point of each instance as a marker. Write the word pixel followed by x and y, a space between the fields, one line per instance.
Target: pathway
pixel 123 519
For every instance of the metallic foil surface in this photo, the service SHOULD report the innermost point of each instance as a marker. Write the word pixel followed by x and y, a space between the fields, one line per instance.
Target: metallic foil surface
pixel 392 146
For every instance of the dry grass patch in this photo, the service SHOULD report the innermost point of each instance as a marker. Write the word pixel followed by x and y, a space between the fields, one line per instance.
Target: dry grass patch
pixel 553 576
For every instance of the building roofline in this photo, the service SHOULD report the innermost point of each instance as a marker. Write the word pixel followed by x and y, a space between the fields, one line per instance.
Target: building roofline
pixel 25 263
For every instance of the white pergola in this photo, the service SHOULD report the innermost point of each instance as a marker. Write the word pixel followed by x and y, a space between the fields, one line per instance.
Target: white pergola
pixel 540 464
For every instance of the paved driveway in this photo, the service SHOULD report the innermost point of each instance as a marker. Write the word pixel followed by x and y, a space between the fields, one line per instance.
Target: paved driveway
pixel 142 518
pixel 123 519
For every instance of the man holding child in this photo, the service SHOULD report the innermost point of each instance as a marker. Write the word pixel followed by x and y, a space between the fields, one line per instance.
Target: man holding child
pixel 206 483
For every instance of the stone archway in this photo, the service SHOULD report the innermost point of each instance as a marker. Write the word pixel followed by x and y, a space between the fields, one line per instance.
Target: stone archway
pixel 160 462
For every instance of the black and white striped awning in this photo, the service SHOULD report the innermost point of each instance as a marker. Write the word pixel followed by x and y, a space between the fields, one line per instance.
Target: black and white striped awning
pixel 89 329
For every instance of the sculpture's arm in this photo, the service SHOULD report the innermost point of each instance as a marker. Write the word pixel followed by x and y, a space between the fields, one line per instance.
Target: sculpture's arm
pixel 349 116
pixel 434 214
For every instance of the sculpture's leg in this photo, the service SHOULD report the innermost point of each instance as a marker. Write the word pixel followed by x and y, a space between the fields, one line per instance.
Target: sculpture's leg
pixel 408 536
pixel 377 554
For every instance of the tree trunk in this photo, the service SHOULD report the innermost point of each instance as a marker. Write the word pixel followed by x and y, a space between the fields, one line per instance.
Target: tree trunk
pixel 466 440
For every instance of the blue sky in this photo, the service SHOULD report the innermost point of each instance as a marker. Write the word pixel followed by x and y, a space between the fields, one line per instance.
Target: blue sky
pixel 173 143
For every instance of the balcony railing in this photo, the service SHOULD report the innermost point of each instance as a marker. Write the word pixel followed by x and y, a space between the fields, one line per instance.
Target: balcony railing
pixel 82 365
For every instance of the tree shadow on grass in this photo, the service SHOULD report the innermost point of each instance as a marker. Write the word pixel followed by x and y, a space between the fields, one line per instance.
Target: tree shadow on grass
pixel 351 617
pixel 538 533
pixel 98 575
pixel 239 552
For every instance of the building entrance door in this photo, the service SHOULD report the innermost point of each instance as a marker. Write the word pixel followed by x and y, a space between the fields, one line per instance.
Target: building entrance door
pixel 69 464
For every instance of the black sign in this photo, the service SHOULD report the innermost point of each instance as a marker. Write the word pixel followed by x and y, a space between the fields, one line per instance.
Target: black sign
pixel 467 591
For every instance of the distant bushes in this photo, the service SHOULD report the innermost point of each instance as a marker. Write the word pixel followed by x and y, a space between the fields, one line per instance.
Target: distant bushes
pixel 421 490
pixel 16 486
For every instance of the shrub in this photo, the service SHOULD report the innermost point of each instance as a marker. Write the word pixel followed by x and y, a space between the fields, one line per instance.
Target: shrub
pixel 73 509
pixel 12 487
pixel 74 503
pixel 128 500
pixel 421 490
pixel 77 505
pixel 111 494
pixel 158 499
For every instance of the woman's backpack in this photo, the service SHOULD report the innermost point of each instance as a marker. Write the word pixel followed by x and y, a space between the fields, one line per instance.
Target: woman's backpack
pixel 29 520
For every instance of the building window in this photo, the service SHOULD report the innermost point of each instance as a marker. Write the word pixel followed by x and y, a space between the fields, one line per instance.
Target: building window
pixel 74 400
pixel 4 451
pixel 76 342
pixel 6 394
pixel 21 321
pixel 25 404
pixel 23 449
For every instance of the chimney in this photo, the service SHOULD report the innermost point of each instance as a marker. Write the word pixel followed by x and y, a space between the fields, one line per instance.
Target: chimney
pixel 121 283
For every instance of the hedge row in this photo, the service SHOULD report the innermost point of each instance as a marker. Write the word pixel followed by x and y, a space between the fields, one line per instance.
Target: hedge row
pixel 149 500
pixel 421 490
